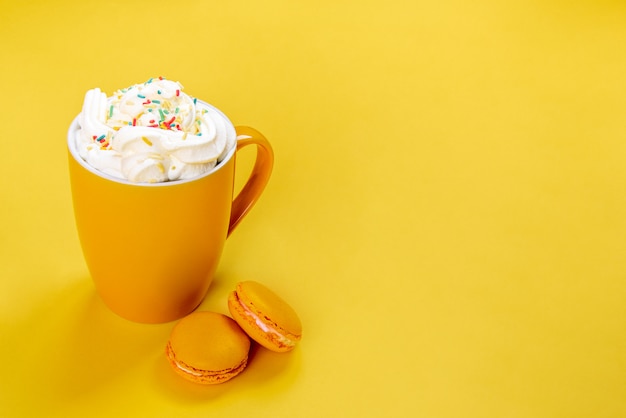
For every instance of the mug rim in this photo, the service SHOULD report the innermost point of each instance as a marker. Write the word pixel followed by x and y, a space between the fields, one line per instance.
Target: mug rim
pixel 71 145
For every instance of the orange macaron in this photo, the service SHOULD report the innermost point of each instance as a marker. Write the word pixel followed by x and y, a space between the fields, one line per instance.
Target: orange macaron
pixel 265 317
pixel 207 348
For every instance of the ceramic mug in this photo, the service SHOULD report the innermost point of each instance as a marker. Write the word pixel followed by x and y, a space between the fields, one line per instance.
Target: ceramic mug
pixel 152 248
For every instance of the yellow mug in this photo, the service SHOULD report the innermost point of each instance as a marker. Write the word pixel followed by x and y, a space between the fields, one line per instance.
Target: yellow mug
pixel 152 249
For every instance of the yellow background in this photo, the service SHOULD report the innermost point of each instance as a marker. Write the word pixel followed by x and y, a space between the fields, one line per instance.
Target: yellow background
pixel 447 211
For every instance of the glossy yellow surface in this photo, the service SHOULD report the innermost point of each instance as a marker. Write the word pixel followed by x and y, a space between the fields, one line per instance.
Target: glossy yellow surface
pixel 447 210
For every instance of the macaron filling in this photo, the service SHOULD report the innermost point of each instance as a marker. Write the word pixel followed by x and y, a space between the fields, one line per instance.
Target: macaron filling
pixel 221 375
pixel 186 369
pixel 266 328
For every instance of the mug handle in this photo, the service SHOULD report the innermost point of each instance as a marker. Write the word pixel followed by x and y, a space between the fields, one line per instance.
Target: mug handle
pixel 259 176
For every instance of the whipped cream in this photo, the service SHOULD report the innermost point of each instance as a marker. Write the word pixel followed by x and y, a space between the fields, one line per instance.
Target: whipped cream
pixel 152 132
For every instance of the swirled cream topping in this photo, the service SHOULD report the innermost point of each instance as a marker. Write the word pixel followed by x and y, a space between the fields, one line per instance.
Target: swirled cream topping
pixel 152 132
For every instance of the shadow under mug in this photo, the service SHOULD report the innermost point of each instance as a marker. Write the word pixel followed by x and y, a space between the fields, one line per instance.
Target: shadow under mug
pixel 152 249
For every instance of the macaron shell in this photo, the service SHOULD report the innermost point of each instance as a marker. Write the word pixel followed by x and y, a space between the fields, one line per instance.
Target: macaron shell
pixel 272 310
pixel 208 347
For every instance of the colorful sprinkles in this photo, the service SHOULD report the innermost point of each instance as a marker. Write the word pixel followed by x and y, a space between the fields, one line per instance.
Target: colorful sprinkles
pixel 101 140
pixel 171 111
